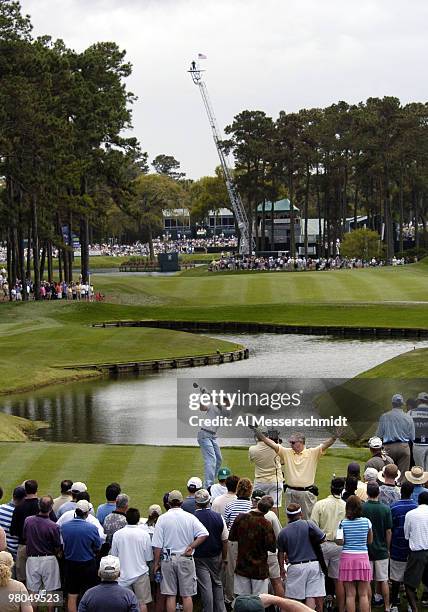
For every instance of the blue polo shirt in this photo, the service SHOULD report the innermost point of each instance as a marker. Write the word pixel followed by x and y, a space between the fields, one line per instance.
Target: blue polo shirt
pixel 81 540
pixel 399 545
pixel 109 597
pixel 104 510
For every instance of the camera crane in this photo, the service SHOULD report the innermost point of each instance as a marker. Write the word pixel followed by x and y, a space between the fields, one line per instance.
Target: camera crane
pixel 246 244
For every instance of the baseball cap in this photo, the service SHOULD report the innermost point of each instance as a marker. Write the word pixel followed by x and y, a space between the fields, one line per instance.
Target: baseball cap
pixel 397 398
pixel 194 483
pixel 175 496
pixel 109 565
pixel 19 492
pixel 155 509
pixel 202 496
pixel 375 442
pixel 257 494
pixel 370 473
pixel 79 487
pixel 223 473
pixel 423 396
pixel 84 505
pixel 248 603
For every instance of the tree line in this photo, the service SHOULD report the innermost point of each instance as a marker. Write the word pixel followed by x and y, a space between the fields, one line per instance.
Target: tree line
pixel 337 162
pixel 67 168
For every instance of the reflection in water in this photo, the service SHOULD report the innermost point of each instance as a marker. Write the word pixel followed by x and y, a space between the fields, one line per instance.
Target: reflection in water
pixel 142 410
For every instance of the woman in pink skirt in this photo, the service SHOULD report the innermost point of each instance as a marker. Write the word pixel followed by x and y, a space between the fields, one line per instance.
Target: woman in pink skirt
pixel 354 569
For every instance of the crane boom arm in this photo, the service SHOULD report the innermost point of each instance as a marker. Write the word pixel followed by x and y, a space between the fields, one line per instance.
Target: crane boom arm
pixel 246 241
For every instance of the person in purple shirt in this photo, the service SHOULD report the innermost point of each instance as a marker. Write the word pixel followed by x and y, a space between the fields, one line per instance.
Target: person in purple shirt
pixel 43 544
pixel 112 491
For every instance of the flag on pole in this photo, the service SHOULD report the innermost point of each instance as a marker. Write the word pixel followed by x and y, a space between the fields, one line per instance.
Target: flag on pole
pixel 201 56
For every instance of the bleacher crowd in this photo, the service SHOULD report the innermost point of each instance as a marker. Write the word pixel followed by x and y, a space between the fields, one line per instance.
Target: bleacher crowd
pixel 298 264
pixel 226 543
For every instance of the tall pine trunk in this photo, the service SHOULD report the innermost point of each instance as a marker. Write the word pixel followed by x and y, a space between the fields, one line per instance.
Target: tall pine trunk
pixel 36 257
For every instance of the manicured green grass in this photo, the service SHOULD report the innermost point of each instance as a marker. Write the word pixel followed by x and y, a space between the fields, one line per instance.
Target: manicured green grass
pixel 145 472
pixel 36 339
pixel 370 285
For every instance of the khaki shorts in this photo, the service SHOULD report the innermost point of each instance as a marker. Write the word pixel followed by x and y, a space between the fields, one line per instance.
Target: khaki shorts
pixel 273 566
pixel 396 570
pixel 305 580
pixel 331 553
pixel 42 572
pixel 142 589
pixel 380 570
pixel 273 489
pixel 249 586
pixel 178 576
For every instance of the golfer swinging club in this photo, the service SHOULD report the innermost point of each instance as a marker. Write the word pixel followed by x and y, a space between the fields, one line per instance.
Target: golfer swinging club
pixel 207 439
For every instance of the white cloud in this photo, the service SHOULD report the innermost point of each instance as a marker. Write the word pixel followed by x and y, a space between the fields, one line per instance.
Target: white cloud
pixel 262 54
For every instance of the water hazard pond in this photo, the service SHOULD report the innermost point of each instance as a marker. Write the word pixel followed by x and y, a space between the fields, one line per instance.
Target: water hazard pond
pixel 142 410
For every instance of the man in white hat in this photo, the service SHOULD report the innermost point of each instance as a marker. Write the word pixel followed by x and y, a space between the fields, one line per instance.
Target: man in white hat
pixel 418 478
pixel 397 430
pixel 420 420
pixel 109 596
pixel 81 543
pixel 378 458
pixel 177 534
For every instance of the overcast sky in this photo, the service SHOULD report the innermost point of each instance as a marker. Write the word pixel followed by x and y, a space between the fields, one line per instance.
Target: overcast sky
pixel 268 55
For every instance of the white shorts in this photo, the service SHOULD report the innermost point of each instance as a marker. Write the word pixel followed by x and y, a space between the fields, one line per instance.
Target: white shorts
pixel 42 572
pixel 380 570
pixel 273 489
pixel 248 586
pixel 305 580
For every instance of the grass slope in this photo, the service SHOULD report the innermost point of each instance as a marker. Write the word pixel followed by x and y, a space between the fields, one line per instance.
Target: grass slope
pixel 145 472
pixel 375 285
pixel 36 339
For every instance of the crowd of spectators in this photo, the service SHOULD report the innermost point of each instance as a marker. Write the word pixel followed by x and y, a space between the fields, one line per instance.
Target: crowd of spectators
pixel 299 263
pixel 48 291
pixel 227 544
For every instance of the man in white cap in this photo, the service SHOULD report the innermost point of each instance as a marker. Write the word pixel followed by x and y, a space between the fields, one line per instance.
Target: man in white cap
pixel 397 430
pixel 109 596
pixel 76 488
pixel 81 543
pixel 193 484
pixel 177 534
pixel 420 419
pixel 378 458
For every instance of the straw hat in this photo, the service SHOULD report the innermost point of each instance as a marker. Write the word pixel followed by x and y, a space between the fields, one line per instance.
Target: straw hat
pixel 417 475
pixel 389 471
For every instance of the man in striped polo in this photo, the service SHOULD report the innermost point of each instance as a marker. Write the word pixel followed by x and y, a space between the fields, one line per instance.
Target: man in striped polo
pixel 6 513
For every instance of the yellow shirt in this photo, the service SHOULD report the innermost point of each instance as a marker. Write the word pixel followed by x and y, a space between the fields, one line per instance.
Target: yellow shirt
pixel 327 514
pixel 361 491
pixel 268 463
pixel 300 468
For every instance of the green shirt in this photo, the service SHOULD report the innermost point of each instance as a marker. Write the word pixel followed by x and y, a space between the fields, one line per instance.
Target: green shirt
pixel 380 516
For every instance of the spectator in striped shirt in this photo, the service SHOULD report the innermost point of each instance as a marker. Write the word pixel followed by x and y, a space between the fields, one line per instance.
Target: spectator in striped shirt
pixel 241 504
pixel 6 513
